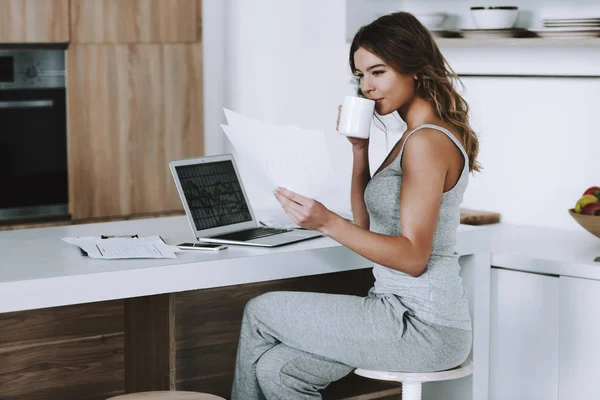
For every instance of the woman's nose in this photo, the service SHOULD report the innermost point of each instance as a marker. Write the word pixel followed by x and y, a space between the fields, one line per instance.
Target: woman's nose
pixel 365 86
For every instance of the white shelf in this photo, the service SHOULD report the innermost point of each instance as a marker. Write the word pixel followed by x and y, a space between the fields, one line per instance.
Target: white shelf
pixel 457 42
pixel 518 41
pixel 531 15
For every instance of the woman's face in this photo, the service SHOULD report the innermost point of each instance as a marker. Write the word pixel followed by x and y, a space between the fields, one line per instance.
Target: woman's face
pixel 391 90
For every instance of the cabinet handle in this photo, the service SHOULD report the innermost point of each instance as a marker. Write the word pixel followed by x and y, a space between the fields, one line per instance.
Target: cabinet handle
pixel 26 104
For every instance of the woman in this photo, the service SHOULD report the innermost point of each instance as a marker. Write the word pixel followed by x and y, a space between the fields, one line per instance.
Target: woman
pixel 415 318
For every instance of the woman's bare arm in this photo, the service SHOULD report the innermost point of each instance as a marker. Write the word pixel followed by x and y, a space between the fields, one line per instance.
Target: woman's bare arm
pixel 361 175
pixel 426 161
pixel 424 167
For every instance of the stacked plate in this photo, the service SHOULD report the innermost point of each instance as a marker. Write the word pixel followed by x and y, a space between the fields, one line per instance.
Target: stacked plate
pixel 575 23
pixel 570 27
pixel 495 33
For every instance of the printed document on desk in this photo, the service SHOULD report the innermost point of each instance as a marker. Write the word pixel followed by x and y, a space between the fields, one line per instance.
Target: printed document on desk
pixel 116 248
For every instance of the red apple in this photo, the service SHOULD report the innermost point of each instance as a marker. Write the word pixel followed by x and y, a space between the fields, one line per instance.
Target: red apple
pixel 595 190
pixel 591 209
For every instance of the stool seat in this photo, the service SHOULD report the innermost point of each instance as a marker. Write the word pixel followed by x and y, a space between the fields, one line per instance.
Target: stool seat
pixel 462 370
pixel 412 382
pixel 167 395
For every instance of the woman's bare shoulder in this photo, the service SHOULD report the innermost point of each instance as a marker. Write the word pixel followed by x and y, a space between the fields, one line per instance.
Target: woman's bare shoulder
pixel 431 139
pixel 432 145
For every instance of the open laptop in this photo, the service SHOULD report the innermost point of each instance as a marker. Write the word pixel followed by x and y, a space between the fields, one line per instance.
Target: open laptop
pixel 218 209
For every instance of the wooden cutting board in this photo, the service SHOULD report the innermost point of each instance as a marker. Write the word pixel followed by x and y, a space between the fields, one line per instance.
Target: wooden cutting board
pixel 476 217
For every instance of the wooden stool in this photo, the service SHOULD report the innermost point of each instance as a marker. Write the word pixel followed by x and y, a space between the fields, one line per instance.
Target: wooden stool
pixel 412 381
pixel 167 395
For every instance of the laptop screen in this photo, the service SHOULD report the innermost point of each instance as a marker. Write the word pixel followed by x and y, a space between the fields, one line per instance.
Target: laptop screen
pixel 213 194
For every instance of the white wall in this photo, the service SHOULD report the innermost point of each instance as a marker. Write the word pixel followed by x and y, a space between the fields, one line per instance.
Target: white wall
pixel 285 62
pixel 539 146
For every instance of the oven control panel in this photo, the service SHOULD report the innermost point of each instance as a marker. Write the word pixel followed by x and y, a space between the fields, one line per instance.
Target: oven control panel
pixel 25 69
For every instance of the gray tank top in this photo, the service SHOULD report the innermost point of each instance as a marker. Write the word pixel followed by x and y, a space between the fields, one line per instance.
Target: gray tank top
pixel 437 295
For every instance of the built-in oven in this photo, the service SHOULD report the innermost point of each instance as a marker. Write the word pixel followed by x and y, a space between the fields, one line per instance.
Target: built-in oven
pixel 33 134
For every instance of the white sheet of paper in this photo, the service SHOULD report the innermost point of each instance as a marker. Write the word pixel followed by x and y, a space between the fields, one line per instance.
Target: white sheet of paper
pixel 115 248
pixel 288 156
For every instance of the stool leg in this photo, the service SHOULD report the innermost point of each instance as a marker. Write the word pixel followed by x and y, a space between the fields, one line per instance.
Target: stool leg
pixel 411 390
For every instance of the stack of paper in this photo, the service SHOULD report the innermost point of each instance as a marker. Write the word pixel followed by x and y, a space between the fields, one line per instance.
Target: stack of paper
pixel 300 160
pixel 114 248
pixel 287 155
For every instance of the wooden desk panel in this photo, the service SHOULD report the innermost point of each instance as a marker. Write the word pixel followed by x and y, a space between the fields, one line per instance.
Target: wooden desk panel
pixel 186 341
pixel 72 352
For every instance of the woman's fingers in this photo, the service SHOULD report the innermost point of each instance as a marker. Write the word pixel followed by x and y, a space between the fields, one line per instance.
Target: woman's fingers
pixel 294 216
pixel 291 208
pixel 298 198
pixel 288 202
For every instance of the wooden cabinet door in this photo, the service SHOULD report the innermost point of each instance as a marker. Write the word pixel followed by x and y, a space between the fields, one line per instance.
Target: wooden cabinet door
pixel 34 21
pixel 579 355
pixel 135 21
pixel 523 336
pixel 132 109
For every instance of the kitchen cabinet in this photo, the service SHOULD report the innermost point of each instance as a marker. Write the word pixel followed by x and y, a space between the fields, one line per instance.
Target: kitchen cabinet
pixel 132 109
pixel 544 336
pixel 135 21
pixel 34 21
pixel 579 345
pixel 524 336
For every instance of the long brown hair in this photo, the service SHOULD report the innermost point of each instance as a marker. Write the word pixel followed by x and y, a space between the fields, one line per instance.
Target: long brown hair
pixel 404 44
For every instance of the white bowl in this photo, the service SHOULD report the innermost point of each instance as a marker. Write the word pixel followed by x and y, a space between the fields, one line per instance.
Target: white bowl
pixel 432 20
pixel 494 17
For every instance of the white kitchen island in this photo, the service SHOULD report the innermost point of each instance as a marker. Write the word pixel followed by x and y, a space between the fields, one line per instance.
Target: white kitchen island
pixel 545 302
pixel 39 270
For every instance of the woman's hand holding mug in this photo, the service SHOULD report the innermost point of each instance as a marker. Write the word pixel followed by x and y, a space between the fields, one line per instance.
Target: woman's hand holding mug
pixel 354 119
pixel 356 142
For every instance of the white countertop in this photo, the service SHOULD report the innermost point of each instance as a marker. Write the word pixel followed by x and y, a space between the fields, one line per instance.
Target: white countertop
pixel 545 250
pixel 38 269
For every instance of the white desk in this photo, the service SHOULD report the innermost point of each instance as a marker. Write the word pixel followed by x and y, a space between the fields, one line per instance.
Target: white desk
pixel 38 270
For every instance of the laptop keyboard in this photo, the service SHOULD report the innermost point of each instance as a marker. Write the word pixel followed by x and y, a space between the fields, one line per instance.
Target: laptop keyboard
pixel 249 234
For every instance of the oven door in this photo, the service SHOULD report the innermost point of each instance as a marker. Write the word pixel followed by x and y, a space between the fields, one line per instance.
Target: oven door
pixel 33 153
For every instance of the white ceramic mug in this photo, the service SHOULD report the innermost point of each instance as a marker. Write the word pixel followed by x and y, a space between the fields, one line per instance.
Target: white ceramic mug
pixel 356 117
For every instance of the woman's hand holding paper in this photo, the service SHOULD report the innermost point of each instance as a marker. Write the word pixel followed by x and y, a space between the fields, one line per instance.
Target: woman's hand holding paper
pixel 306 212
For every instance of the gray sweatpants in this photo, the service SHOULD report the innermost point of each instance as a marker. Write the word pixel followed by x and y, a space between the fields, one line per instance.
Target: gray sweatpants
pixel 293 344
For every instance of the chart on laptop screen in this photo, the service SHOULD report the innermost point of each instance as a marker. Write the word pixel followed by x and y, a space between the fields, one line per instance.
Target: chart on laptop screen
pixel 213 194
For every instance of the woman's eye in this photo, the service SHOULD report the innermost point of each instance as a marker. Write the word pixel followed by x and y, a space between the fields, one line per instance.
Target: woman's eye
pixel 378 72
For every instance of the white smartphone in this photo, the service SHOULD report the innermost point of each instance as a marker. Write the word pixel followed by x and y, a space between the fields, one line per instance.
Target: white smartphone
pixel 202 246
